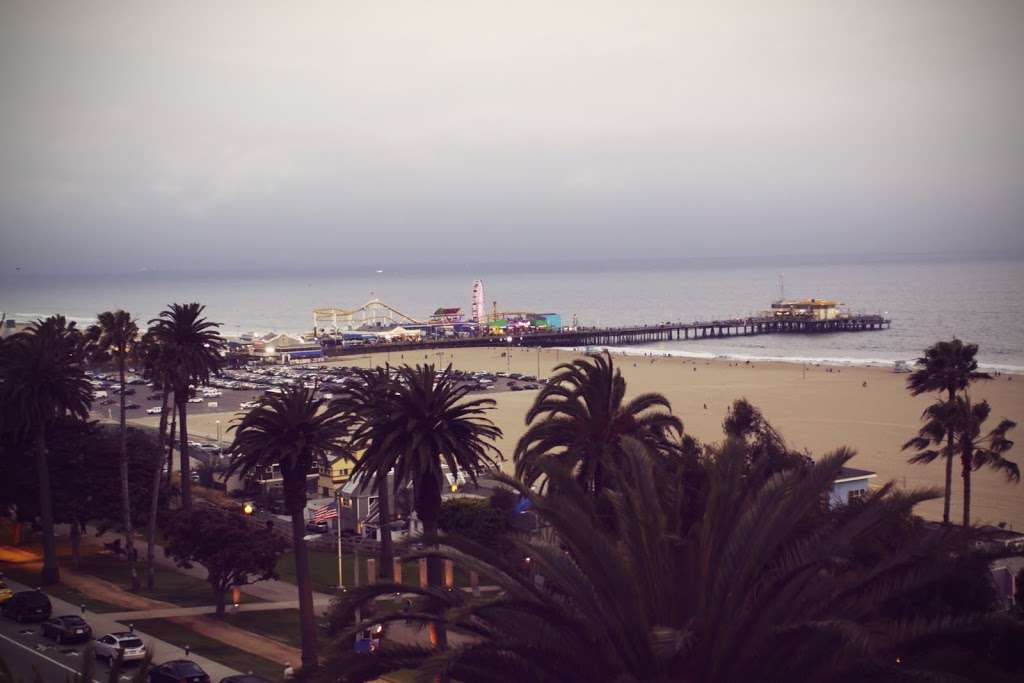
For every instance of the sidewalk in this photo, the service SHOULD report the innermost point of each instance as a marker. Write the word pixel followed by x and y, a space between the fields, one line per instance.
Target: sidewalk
pixel 104 623
pixel 271 590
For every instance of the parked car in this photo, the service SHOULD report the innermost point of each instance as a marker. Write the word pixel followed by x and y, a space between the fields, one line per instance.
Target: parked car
pixel 66 629
pixel 27 606
pixel 195 399
pixel 244 678
pixel 317 527
pixel 132 406
pixel 178 671
pixel 129 645
pixel 152 411
pixel 5 592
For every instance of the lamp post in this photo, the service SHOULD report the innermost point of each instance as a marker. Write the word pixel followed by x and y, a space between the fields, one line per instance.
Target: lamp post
pixel 508 355
pixel 218 433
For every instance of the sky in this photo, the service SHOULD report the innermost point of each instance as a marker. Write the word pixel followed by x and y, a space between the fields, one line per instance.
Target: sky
pixel 259 135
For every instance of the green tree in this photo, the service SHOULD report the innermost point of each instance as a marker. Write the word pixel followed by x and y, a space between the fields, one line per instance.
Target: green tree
pixel 42 378
pixel 947 367
pixel 580 417
pixel 114 338
pixel 760 587
pixel 427 424
pixel 233 551
pixel 193 348
pixel 294 431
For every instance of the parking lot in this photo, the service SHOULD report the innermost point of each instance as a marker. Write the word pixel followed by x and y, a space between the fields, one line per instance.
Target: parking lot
pixel 237 389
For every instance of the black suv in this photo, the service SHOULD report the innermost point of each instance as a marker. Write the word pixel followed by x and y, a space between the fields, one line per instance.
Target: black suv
pixel 178 671
pixel 28 606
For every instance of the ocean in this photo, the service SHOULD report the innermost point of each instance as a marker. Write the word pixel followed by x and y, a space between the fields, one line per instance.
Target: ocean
pixel 978 300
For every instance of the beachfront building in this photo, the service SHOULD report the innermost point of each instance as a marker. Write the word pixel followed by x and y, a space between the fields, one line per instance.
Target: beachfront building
pixel 814 309
pixel 285 348
pixel 852 484
pixel 446 316
pixel 334 475
pixel 523 322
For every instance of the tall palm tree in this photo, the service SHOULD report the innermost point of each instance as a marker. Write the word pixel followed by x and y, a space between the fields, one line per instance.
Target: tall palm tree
pixel 114 337
pixel 156 369
pixel 42 378
pixel 947 367
pixel 294 431
pixel 194 349
pixel 580 418
pixel 427 424
pixel 963 421
pixel 365 405
pixel 759 587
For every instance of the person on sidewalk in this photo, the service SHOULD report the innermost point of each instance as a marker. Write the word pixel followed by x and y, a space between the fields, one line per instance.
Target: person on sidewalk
pixel 289 672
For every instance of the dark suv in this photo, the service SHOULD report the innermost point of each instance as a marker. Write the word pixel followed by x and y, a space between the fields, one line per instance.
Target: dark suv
pixel 28 606
pixel 178 671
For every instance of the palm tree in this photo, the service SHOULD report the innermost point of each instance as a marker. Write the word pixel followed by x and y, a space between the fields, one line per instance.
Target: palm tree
pixel 294 431
pixel 193 348
pixel 42 378
pixel 946 367
pixel 157 370
pixel 580 418
pixel 114 336
pixel 964 420
pixel 757 588
pixel 426 424
pixel 366 406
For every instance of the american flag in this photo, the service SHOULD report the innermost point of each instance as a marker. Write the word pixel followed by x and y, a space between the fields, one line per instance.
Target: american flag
pixel 329 511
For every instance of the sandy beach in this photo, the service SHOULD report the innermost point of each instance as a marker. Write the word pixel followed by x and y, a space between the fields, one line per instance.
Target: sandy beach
pixel 816 409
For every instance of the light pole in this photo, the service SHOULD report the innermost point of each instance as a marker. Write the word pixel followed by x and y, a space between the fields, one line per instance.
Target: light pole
pixel 538 362
pixel 508 355
pixel 218 433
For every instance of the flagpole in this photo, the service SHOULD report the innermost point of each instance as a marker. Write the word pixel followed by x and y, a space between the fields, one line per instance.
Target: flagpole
pixel 337 503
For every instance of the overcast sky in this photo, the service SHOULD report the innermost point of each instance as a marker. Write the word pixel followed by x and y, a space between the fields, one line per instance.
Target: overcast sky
pixel 255 134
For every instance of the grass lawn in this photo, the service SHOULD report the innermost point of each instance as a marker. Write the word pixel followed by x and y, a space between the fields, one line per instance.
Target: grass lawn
pixel 324 568
pixel 171 586
pixel 207 647
pixel 279 624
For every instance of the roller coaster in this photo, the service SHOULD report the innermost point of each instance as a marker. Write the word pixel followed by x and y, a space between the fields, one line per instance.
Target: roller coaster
pixel 373 314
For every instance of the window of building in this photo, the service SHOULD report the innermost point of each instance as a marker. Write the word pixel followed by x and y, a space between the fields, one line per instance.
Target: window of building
pixel 857 494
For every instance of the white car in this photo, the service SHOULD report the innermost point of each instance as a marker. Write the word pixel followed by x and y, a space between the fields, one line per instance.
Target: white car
pixel 129 644
pixel 152 411
pixel 195 399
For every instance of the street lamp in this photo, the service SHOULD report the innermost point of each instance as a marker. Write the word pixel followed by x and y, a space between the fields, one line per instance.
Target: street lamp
pixel 218 433
pixel 248 508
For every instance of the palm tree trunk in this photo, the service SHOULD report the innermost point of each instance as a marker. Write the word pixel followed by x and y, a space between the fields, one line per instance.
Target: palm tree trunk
pixel 428 507
pixel 948 494
pixel 965 463
pixel 186 468
pixel 170 441
pixel 126 501
pixel 387 552
pixel 76 543
pixel 154 502
pixel 295 499
pixel 51 571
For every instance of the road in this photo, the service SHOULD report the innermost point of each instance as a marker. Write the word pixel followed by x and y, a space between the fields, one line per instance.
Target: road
pixel 24 649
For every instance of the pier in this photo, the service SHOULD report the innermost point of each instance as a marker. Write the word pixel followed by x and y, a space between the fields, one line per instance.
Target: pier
pixel 640 334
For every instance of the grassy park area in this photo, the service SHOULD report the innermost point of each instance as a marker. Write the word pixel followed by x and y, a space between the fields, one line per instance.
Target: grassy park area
pixel 227 655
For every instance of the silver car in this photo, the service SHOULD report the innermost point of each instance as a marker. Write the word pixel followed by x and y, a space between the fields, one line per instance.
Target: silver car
pixel 129 644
